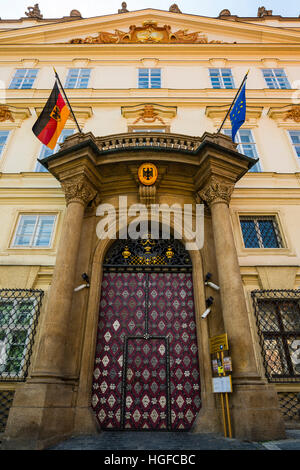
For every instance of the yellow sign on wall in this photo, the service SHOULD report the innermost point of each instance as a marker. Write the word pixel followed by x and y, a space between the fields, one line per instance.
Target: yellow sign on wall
pixel 218 343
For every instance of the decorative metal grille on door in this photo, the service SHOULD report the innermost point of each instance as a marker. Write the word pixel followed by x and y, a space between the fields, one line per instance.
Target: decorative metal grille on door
pixel 146 374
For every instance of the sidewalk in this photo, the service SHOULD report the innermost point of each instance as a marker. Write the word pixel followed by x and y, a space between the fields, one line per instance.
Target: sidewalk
pixel 128 440
pixel 291 443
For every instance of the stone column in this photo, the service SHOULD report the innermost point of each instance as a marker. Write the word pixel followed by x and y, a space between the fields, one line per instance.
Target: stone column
pixel 254 403
pixel 43 407
pixel 217 195
pixel 50 357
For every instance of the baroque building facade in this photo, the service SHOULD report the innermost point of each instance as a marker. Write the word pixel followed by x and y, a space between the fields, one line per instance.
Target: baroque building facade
pixel 130 348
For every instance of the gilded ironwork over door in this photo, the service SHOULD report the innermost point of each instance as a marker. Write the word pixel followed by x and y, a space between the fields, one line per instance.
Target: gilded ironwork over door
pixel 146 373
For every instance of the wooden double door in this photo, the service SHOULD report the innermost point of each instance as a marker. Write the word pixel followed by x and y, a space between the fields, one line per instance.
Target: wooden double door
pixel 146 374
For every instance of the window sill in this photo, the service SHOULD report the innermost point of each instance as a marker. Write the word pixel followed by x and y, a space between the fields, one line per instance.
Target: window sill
pixel 28 251
pixel 265 251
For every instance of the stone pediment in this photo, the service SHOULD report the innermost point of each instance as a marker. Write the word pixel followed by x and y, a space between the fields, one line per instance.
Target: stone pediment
pixel 147 26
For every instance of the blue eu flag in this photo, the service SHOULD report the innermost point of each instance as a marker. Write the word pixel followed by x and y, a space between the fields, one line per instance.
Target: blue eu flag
pixel 238 113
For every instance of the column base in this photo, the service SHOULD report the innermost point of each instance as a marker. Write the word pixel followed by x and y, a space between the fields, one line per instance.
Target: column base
pixel 42 415
pixel 208 420
pixel 85 421
pixel 255 412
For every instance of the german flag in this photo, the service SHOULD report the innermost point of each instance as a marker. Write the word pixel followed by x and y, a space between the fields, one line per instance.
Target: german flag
pixel 52 119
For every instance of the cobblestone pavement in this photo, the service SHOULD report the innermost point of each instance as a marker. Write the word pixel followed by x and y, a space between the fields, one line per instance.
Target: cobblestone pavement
pixel 126 440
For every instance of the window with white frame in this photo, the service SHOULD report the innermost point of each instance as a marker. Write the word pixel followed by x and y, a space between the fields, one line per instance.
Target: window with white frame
pixel 295 138
pixel 221 78
pixel 3 139
pixel 276 78
pixel 78 78
pixel 34 231
pixel 246 145
pixel 260 232
pixel 149 78
pixel 23 79
pixel 46 152
pixel 19 312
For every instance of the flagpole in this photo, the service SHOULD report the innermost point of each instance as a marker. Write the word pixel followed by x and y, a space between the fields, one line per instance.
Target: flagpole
pixel 57 77
pixel 235 98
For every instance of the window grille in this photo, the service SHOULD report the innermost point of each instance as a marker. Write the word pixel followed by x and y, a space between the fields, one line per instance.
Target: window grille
pixel 277 315
pixel 19 311
pixel 23 79
pixel 149 78
pixel 260 232
pixel 78 78
pixel 46 152
pixel 34 231
pixel 290 405
pixel 246 145
pixel 295 138
pixel 221 78
pixel 6 399
pixel 3 139
pixel 276 78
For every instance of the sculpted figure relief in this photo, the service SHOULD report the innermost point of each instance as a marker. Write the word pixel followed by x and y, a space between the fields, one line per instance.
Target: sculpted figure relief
pixel 262 11
pixel 124 8
pixel 174 8
pixel 34 12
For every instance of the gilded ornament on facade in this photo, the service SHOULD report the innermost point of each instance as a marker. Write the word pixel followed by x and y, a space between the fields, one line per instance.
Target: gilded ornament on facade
pixel 5 114
pixel 148 33
pixel 147 174
pixel 294 114
pixel 148 115
pixel 169 252
pixel 126 253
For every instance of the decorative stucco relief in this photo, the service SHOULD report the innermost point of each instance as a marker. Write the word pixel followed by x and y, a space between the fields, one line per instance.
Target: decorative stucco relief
pixel 149 33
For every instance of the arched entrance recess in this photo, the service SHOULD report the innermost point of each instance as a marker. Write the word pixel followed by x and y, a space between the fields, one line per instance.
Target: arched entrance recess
pixel 146 373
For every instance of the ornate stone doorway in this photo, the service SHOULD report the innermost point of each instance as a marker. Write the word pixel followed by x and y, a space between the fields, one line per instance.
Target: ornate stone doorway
pixel 146 374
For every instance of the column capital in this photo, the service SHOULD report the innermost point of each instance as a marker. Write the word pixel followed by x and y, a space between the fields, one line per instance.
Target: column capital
pixel 216 191
pixel 78 189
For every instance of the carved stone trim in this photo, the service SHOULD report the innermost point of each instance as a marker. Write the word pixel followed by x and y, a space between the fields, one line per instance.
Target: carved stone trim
pixel 294 114
pixel 147 195
pixel 78 189
pixel 216 191
pixel 284 115
pixel 5 114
